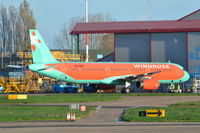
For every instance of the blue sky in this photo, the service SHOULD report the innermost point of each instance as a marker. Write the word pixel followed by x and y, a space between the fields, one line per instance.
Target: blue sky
pixel 52 14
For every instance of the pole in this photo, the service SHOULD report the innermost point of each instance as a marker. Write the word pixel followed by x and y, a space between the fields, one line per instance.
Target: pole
pixel 86 11
pixel 148 10
pixel 78 44
pixel 86 20
pixel 2 55
pixel 72 43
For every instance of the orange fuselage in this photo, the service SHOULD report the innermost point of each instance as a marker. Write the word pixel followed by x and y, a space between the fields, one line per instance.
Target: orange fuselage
pixel 100 71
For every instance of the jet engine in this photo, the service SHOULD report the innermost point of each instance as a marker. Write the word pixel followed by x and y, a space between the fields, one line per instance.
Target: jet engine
pixel 148 84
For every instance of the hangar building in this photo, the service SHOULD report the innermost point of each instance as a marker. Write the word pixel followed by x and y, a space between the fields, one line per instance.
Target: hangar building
pixel 177 41
pixel 153 41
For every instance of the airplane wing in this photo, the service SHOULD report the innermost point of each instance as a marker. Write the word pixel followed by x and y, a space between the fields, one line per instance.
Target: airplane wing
pixel 141 76
pixel 129 77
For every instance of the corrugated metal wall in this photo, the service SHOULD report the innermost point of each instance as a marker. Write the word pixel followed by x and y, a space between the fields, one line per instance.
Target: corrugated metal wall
pixel 194 52
pixel 165 47
pixel 132 47
pixel 169 47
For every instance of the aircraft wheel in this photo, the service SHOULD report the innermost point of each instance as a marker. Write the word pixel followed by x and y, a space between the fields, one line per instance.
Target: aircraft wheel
pixel 127 90
pixel 123 90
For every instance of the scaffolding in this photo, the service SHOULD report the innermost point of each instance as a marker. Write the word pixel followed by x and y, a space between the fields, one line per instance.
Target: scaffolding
pixel 25 58
pixel 30 82
pixel 196 84
pixel 64 57
pixel 193 85
pixel 25 84
pixel 59 55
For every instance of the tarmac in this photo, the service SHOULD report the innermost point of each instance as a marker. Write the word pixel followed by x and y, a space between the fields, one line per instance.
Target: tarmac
pixel 107 119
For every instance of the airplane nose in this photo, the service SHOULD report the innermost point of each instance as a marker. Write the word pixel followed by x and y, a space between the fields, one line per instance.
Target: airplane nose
pixel 186 76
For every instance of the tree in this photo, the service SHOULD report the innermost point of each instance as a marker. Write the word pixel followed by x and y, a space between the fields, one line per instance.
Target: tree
pixel 5 29
pixel 63 40
pixel 14 26
pixel 107 42
pixel 28 22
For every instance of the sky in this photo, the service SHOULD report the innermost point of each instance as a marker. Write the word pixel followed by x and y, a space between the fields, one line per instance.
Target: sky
pixel 51 15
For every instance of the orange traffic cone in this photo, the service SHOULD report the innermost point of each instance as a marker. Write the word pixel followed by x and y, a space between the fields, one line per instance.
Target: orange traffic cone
pixel 68 116
pixel 73 117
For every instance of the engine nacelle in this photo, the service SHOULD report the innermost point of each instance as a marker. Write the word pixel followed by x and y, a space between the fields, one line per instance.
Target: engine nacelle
pixel 148 84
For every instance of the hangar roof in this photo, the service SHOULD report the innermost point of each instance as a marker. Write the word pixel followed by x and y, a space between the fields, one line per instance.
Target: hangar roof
pixel 137 27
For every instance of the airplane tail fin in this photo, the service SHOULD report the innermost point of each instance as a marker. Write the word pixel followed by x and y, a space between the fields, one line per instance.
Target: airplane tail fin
pixel 40 52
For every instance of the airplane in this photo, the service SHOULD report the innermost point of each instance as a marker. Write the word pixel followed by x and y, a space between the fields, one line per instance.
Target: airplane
pixel 146 75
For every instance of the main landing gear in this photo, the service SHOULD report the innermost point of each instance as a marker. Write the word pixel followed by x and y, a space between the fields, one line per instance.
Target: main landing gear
pixel 126 88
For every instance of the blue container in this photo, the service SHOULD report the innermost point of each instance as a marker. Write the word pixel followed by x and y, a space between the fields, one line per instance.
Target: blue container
pixel 63 88
pixel 59 88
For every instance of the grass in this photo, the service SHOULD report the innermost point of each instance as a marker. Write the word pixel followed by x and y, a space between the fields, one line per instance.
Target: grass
pixel 186 104
pixel 32 113
pixel 158 94
pixel 175 112
pixel 77 98
pixel 172 114
pixel 62 98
